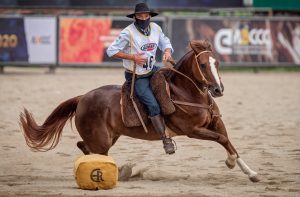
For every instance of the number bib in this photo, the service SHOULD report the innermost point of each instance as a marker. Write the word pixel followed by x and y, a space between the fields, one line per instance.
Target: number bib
pixel 147 45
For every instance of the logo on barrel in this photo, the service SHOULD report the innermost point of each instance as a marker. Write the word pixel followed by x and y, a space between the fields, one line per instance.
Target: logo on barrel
pixel 148 47
pixel 96 175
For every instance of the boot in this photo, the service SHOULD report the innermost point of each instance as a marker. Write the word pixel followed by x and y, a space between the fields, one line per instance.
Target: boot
pixel 159 126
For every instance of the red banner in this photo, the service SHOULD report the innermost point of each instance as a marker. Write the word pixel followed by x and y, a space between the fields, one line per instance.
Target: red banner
pixel 80 39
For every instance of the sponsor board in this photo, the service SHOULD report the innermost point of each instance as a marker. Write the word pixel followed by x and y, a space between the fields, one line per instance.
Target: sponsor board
pixel 81 40
pixel 259 41
pixel 41 39
pixel 28 40
pixel 13 44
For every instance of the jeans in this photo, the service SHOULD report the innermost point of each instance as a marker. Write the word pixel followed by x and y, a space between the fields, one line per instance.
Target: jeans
pixel 143 90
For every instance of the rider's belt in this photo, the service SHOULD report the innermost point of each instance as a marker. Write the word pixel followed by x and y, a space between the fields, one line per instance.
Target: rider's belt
pixel 140 76
pixel 128 71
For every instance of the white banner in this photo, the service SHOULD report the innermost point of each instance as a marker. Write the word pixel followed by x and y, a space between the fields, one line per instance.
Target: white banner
pixel 41 39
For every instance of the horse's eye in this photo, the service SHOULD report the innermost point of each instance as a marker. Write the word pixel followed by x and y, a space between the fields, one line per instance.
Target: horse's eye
pixel 202 65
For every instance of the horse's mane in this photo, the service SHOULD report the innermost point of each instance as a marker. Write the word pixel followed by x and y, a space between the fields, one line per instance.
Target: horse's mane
pixel 194 45
pixel 200 45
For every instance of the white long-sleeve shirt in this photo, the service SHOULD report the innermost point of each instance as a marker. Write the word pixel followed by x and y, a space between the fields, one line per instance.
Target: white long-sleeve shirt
pixel 132 41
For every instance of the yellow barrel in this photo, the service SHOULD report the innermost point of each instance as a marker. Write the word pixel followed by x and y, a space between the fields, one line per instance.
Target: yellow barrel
pixel 96 172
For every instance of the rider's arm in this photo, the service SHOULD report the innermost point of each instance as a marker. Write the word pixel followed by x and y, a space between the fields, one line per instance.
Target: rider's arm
pixel 122 55
pixel 116 49
pixel 138 58
pixel 164 43
pixel 119 44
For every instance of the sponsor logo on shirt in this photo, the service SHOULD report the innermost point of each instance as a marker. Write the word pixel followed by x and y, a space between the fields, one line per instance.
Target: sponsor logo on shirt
pixel 148 47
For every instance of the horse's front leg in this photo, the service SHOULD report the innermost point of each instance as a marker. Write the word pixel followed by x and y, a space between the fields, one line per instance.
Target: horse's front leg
pixel 207 134
pixel 220 136
pixel 218 126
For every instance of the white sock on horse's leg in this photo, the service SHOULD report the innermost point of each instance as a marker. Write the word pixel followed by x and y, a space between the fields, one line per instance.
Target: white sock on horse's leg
pixel 231 160
pixel 253 176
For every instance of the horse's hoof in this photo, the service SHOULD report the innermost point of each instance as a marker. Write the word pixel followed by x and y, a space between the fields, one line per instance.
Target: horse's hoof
pixel 125 173
pixel 254 179
pixel 229 165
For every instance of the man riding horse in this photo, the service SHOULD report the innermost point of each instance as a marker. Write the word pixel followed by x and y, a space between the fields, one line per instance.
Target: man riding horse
pixel 136 46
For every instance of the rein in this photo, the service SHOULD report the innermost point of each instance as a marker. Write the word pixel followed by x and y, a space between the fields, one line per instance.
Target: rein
pixel 180 73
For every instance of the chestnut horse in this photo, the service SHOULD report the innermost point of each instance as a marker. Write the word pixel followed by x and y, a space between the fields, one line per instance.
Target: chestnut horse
pixel 193 81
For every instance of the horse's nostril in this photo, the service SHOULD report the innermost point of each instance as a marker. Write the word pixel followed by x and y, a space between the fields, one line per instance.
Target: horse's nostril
pixel 218 91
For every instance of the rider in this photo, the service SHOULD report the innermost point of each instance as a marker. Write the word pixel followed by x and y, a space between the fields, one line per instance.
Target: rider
pixel 137 44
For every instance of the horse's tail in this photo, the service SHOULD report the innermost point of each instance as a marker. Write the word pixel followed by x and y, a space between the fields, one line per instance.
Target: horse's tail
pixel 46 136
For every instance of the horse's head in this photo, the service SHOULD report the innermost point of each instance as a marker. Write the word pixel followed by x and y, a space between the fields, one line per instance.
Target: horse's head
pixel 205 67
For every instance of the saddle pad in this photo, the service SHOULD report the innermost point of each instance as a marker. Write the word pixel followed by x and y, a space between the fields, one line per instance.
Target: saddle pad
pixel 129 115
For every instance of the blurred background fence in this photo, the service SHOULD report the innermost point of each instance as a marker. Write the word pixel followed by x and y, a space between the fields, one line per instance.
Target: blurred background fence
pixel 77 33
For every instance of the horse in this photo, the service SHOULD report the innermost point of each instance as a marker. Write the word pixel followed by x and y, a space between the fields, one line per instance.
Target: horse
pixel 193 82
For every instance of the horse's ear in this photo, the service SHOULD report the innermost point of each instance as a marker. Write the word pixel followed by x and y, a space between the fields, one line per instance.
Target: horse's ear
pixel 192 45
pixel 208 44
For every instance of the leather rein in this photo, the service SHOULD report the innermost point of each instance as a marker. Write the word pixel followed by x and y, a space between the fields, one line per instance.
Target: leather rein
pixel 210 106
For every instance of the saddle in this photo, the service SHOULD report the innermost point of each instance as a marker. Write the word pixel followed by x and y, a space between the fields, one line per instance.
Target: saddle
pixel 161 92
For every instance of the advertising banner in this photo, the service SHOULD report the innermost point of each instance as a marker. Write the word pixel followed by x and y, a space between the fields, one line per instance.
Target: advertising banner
pixel 236 41
pixel 84 40
pixel 13 44
pixel 28 40
pixel 41 39
pixel 80 39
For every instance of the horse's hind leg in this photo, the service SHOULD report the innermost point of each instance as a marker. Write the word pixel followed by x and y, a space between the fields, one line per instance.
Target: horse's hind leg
pixel 95 135
pixel 85 149
pixel 114 140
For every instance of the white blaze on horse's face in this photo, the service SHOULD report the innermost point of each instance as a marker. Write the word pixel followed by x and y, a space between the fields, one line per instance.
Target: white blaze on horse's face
pixel 213 68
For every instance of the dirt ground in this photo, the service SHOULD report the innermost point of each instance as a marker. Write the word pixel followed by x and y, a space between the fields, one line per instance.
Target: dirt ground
pixel 261 112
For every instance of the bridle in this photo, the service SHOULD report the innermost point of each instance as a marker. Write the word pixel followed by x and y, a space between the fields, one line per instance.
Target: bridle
pixel 210 106
pixel 198 66
pixel 204 80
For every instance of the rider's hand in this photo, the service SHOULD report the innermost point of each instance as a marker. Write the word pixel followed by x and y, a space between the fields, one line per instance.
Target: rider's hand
pixel 139 59
pixel 167 55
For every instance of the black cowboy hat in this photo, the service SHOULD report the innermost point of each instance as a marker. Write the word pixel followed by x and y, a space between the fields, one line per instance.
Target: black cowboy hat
pixel 142 8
